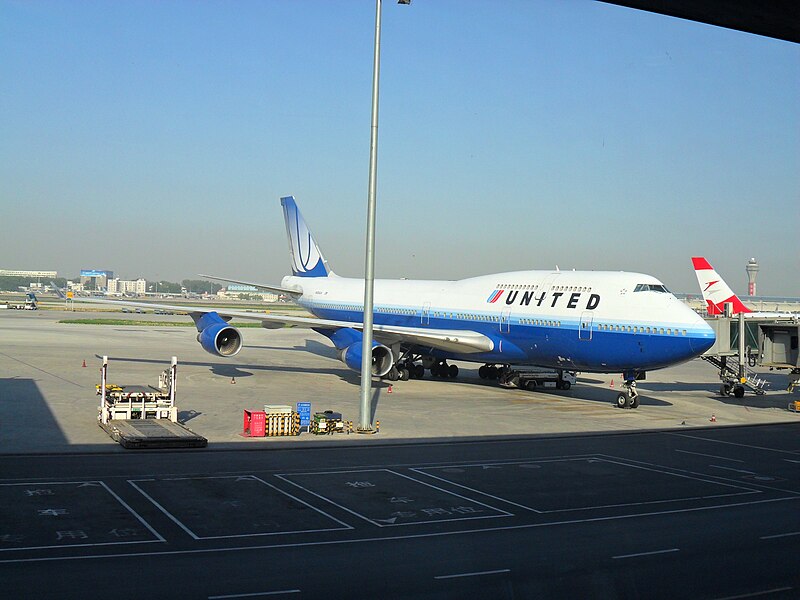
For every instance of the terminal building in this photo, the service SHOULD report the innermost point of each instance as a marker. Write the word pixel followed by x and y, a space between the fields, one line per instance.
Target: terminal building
pixel 30 274
pixel 122 286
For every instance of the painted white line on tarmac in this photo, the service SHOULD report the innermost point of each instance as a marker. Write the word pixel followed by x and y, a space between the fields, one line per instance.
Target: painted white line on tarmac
pixel 474 574
pixel 713 441
pixel 779 535
pixel 254 594
pixel 646 553
pixel 754 594
pixel 532 526
pixel 735 470
pixel 710 456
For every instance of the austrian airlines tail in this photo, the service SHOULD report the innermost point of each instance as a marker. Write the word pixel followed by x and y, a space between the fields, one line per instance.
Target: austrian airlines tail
pixel 716 292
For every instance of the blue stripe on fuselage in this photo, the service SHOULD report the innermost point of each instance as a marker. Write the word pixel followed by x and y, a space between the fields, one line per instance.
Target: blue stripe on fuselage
pixel 544 345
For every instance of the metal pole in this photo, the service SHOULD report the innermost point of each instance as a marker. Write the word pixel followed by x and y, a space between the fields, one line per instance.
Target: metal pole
pixel 365 421
pixel 742 346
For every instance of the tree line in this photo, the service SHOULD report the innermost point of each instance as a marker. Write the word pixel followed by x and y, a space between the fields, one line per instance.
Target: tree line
pixel 194 286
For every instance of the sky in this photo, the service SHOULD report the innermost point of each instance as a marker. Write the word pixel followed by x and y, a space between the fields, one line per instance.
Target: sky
pixel 155 139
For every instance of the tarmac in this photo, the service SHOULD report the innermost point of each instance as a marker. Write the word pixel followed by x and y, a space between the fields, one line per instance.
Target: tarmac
pixel 48 402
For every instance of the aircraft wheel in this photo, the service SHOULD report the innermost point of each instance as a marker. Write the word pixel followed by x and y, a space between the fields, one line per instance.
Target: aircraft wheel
pixel 393 374
pixel 530 385
pixel 482 372
pixel 419 371
pixel 491 372
pixel 452 371
pixel 725 389
pixel 635 401
pixel 738 391
pixel 623 401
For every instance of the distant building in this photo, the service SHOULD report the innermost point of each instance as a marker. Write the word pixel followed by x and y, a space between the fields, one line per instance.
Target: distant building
pixel 31 274
pixel 122 286
pixel 95 278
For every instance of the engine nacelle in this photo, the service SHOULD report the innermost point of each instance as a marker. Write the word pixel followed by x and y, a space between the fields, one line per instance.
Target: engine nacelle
pixel 382 359
pixel 348 342
pixel 216 336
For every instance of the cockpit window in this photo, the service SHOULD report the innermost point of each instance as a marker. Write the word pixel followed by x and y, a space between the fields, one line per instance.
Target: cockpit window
pixel 651 287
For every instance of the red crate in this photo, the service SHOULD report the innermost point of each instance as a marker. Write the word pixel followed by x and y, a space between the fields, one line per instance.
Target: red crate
pixel 255 423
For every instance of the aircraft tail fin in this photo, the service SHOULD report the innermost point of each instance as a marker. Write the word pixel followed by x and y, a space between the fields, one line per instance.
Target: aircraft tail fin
pixel 716 292
pixel 307 260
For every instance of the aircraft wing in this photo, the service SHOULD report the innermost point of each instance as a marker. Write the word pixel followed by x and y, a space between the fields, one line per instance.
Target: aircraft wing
pixel 272 288
pixel 452 340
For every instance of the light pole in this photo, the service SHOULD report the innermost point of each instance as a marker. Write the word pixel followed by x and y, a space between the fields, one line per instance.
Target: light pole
pixel 365 420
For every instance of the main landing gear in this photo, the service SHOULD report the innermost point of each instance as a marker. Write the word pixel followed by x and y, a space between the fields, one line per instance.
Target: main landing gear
pixel 441 369
pixel 629 397
pixel 414 366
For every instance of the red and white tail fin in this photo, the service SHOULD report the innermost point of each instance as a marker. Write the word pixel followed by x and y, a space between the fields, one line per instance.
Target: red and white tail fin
pixel 715 291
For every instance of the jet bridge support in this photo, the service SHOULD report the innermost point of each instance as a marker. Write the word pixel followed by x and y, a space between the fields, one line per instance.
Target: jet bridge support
pixel 746 343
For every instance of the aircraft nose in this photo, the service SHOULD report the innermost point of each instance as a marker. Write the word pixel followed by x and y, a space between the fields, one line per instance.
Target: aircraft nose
pixel 703 338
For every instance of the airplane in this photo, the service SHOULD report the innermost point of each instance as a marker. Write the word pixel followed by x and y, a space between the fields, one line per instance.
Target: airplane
pixel 717 293
pixel 589 321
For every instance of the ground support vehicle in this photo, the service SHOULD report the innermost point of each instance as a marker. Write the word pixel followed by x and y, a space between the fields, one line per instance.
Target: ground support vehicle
pixel 530 378
pixel 144 416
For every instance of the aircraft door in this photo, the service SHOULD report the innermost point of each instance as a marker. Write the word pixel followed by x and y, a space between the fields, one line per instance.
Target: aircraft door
pixel 505 321
pixel 585 326
pixel 426 314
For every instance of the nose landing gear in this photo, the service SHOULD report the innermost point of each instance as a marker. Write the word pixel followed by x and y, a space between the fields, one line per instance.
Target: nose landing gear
pixel 629 397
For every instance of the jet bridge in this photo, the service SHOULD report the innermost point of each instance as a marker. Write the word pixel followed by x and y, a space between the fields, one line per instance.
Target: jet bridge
pixel 750 341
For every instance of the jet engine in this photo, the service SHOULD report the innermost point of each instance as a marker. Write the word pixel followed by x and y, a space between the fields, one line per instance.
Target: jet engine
pixel 382 359
pixel 216 336
pixel 348 342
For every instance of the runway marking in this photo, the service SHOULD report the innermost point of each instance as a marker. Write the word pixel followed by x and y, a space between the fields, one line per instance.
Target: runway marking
pixel 791 461
pixel 474 574
pixel 735 470
pixel 779 535
pixel 180 524
pixel 254 594
pixel 599 458
pixel 696 437
pixel 409 536
pixel 502 513
pixel 646 553
pixel 754 594
pixel 87 545
pixel 750 485
pixel 711 456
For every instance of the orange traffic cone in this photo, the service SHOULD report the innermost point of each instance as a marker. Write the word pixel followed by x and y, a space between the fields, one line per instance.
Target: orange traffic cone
pixel 713 418
pixel 389 391
pixel 84 362
pixel 233 379
pixel 612 383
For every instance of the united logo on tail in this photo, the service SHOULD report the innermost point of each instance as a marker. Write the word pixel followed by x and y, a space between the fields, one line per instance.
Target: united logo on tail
pixel 307 260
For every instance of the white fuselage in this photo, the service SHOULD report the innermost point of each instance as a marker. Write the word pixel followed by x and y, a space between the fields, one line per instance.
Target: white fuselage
pixel 586 320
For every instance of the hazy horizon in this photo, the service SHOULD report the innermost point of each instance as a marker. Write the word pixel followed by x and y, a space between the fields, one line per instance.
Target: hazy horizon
pixel 155 140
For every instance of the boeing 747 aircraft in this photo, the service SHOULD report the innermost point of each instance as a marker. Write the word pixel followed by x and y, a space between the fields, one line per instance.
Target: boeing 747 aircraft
pixel 591 321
